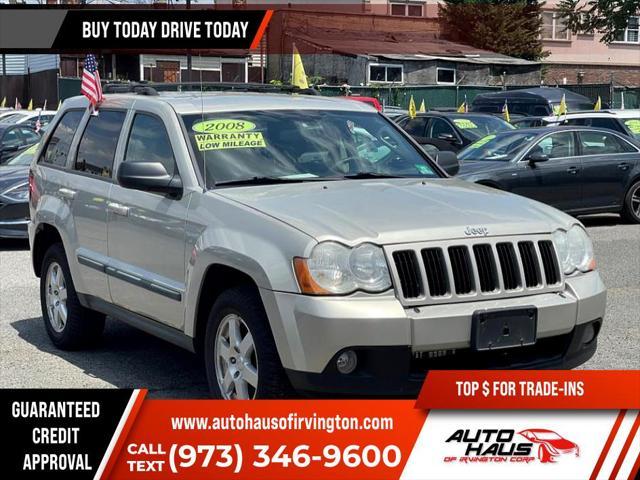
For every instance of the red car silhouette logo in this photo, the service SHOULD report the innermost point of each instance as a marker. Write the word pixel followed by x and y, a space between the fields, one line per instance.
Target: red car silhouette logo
pixel 550 444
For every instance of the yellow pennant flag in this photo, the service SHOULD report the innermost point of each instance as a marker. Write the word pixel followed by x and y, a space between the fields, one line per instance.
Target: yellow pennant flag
pixel 505 112
pixel 298 77
pixel 412 108
pixel 30 106
pixel 4 102
pixel 598 105
pixel 562 109
pixel 423 107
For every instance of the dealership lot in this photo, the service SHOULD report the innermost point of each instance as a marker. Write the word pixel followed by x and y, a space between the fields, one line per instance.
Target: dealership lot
pixel 129 358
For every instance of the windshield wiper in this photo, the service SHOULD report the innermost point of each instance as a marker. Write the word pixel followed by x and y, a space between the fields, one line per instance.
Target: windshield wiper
pixel 365 175
pixel 259 181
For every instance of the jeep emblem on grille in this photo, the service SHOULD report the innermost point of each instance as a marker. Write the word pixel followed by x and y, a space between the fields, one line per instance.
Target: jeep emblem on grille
pixel 476 231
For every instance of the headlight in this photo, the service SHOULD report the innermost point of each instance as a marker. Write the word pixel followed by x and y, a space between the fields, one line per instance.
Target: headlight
pixel 575 250
pixel 336 269
pixel 18 193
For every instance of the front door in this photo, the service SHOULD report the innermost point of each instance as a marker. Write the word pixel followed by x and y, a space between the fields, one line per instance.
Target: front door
pixel 556 182
pixel 147 232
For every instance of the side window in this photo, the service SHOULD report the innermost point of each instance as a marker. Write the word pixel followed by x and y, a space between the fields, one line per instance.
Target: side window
pixel 149 142
pixel 610 123
pixel 97 148
pixel 600 143
pixel 60 141
pixel 557 145
pixel 440 127
pixel 11 138
pixel 29 135
pixel 415 126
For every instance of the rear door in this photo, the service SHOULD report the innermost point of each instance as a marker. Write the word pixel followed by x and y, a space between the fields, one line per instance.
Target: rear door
pixel 88 191
pixel 607 162
pixel 147 229
pixel 556 182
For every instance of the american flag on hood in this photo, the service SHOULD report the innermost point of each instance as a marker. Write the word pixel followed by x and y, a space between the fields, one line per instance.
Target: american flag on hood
pixel 91 87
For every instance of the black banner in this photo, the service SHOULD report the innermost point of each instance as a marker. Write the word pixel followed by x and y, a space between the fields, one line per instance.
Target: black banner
pixel 58 434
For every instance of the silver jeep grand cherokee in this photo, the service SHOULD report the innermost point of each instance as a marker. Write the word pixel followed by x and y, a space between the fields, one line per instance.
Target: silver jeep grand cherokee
pixel 298 243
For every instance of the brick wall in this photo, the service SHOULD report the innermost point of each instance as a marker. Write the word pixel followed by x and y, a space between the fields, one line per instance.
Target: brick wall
pixel 619 75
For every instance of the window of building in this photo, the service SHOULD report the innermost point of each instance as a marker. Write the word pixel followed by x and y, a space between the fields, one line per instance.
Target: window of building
pixel 407 9
pixel 631 34
pixel 58 147
pixel 380 73
pixel 97 148
pixel 149 142
pixel 554 27
pixel 446 76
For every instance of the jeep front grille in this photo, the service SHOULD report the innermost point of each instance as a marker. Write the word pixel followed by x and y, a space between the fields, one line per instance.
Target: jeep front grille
pixel 475 269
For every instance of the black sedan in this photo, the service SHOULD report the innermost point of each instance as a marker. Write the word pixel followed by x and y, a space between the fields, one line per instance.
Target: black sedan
pixel 14 194
pixel 14 138
pixel 456 130
pixel 577 169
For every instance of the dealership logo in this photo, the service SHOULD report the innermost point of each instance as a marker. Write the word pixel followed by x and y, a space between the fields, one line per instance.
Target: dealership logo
pixel 476 231
pixel 508 446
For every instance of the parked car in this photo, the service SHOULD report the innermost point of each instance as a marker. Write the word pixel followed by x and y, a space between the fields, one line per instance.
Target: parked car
pixel 457 129
pixel 550 444
pixel 540 101
pixel 592 119
pixel 577 169
pixel 14 194
pixel 29 118
pixel 374 102
pixel 261 231
pixel 14 138
pixel 394 112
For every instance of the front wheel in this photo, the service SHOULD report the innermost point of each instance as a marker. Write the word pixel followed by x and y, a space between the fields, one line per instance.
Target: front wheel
pixel 631 210
pixel 241 358
pixel 70 326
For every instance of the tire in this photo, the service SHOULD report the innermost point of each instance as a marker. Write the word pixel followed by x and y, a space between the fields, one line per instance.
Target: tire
pixel 229 363
pixel 82 327
pixel 544 455
pixel 631 210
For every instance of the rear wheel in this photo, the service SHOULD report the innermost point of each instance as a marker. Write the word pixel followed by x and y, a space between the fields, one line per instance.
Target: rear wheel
pixel 70 326
pixel 241 358
pixel 631 210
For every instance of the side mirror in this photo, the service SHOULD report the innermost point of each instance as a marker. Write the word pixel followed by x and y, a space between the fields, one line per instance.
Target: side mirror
pixel 448 161
pixel 449 137
pixel 148 176
pixel 537 157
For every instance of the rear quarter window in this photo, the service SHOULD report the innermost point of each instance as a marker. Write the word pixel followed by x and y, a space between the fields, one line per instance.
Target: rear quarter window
pixel 57 149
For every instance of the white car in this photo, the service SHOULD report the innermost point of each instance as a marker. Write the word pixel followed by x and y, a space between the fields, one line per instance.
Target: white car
pixel 29 117
pixel 626 122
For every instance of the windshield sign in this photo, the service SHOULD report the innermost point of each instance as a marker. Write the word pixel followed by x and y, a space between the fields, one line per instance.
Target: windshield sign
pixel 282 146
pixel 474 127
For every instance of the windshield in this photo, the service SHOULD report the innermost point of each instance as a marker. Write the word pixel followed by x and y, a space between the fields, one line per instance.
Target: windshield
pixel 475 127
pixel 503 147
pixel 547 436
pixel 288 145
pixel 23 158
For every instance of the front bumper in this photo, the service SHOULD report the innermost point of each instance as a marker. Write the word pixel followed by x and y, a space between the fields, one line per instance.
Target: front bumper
pixel 312 331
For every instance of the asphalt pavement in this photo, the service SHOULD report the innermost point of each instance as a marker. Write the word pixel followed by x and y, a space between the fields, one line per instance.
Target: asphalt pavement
pixel 128 358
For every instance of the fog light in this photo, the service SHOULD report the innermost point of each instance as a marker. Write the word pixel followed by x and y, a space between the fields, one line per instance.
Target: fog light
pixel 347 362
pixel 589 334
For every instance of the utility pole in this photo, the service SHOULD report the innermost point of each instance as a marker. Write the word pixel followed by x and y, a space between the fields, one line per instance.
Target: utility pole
pixel 188 51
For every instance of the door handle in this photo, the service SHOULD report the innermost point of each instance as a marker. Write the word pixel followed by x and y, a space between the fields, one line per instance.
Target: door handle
pixel 67 193
pixel 572 170
pixel 623 166
pixel 118 209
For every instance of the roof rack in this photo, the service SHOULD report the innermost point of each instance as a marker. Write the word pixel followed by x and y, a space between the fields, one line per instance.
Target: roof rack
pixel 152 88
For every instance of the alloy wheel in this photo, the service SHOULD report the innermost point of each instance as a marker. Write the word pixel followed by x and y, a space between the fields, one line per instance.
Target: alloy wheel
pixel 635 201
pixel 56 297
pixel 236 362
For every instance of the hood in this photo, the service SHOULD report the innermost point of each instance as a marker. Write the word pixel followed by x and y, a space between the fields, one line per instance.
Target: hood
pixel 470 167
pixel 397 210
pixel 10 176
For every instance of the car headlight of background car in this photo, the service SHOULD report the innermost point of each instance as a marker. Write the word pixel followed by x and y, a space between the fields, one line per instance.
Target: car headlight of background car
pixel 17 193
pixel 575 250
pixel 335 269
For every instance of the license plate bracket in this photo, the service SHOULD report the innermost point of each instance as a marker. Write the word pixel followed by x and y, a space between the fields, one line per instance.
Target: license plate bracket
pixel 496 329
